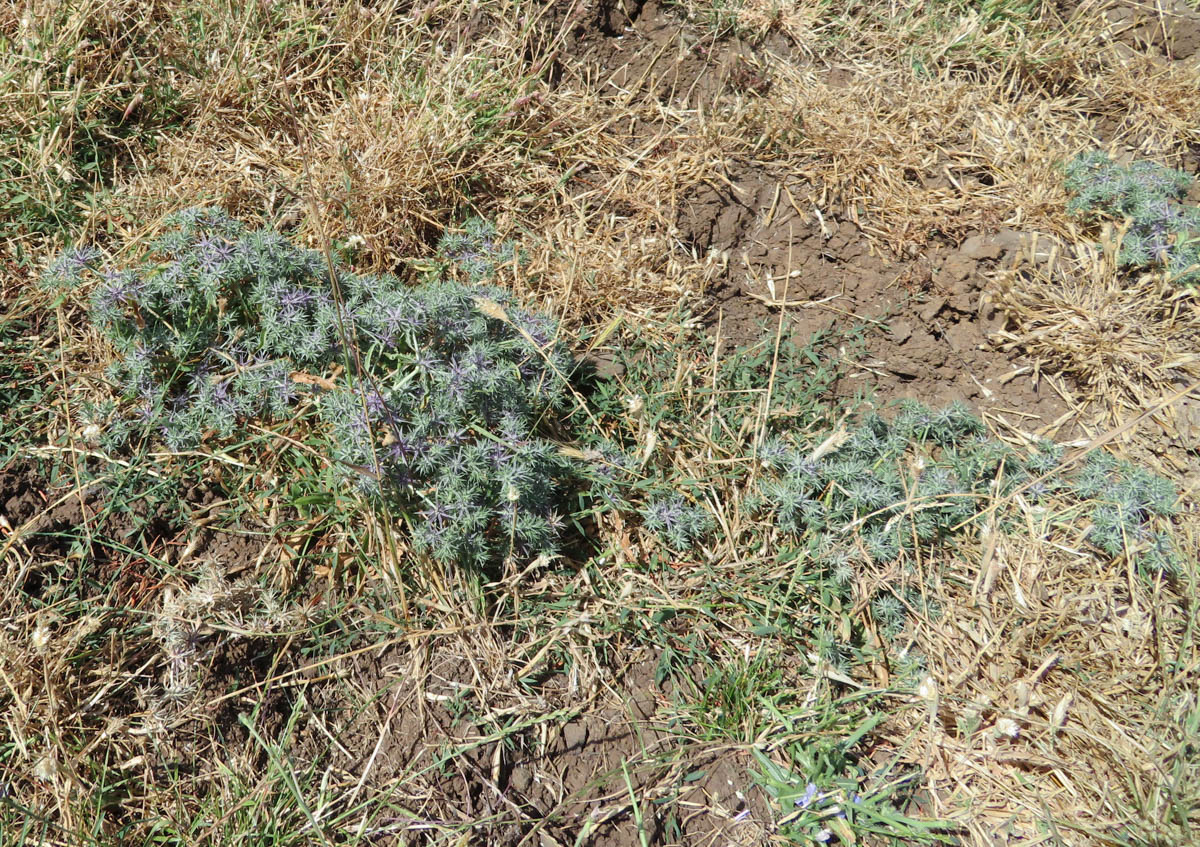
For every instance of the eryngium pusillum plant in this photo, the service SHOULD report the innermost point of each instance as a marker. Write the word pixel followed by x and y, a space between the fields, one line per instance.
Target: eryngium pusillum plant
pixel 1126 503
pixel 1163 231
pixel 476 249
pixel 449 400
pixel 678 523
pixel 884 482
pixel 912 481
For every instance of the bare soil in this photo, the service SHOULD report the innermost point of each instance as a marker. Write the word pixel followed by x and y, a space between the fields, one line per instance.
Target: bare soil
pixel 582 764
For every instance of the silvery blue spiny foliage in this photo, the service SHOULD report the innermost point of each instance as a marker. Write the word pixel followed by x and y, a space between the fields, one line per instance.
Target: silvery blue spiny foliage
pixel 1163 230
pixel 884 482
pixel 678 523
pixel 447 408
pixel 914 480
pixel 1125 502
pixel 476 249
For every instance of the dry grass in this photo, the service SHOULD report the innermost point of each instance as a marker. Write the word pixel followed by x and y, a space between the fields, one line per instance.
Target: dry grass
pixel 915 144
pixel 1060 697
pixel 1127 342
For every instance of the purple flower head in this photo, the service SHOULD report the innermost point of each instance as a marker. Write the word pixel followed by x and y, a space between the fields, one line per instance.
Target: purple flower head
pixel 506 512
pixel 78 259
pixel 145 411
pixel 424 361
pixel 499 455
pixel 456 390
pixel 376 403
pixel 437 516
pixel 291 300
pixel 455 436
pixel 119 291
pixel 540 329
pixel 406 447
pixel 407 317
pixel 459 371
pixel 285 389
pixel 214 252
pixel 220 394
pixel 358 423
pixel 401 476
pixel 666 513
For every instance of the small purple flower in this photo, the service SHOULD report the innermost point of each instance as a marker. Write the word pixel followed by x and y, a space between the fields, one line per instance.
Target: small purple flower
pixel 459 372
pixel 292 300
pixel 214 252
pixel 402 476
pixel 121 290
pixel 810 794
pixel 499 455
pixel 220 394
pixel 376 403
pixel 407 447
pixel 79 259
pixel 285 390
pixel 665 513
pixel 437 516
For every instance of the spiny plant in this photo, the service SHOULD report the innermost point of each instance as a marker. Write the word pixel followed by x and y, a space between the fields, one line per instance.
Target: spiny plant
pixel 913 482
pixel 447 407
pixel 876 491
pixel 677 523
pixel 1163 230
pixel 657 396
pixel 476 249
pixel 898 484
pixel 1129 508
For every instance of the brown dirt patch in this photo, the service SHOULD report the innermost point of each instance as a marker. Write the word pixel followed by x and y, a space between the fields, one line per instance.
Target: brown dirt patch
pixel 928 318
pixel 642 49
pixel 1170 28
pixel 540 772
pixel 45 523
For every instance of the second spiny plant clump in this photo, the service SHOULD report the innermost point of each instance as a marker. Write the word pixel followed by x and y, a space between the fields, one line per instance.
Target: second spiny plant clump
pixel 913 481
pixel 877 491
pixel 1164 231
pixel 446 405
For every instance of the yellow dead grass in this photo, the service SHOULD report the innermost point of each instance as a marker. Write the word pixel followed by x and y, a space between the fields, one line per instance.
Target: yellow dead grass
pixel 1127 342
pixel 1057 695
pixel 321 108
